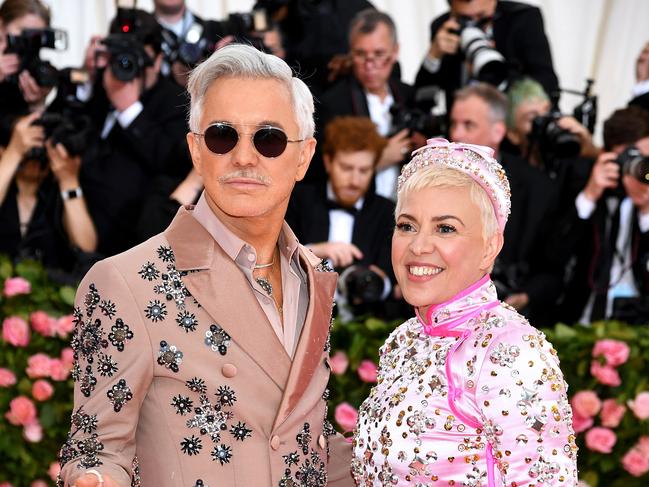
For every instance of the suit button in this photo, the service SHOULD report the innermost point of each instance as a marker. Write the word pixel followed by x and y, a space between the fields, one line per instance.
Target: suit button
pixel 229 370
pixel 322 442
pixel 274 442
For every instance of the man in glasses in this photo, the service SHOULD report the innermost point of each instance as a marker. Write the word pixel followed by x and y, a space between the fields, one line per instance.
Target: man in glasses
pixel 514 29
pixel 374 91
pixel 203 352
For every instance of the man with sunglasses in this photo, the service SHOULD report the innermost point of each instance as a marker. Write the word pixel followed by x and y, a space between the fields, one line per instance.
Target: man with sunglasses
pixel 203 352
pixel 515 29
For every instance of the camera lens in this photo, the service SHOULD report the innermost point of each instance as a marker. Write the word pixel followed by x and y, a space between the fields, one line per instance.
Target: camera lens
pixel 488 64
pixel 124 66
pixel 635 164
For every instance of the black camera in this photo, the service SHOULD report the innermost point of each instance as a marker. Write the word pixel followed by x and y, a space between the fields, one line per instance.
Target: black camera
pixel 489 65
pixel 27 46
pixel 127 56
pixel 416 120
pixel 360 285
pixel 634 163
pixel 553 141
pixel 192 47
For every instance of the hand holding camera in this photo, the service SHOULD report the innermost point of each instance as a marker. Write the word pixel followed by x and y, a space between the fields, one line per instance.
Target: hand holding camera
pixel 25 136
pixel 399 145
pixel 64 167
pixel 604 175
pixel 446 41
pixel 9 65
pixel 341 254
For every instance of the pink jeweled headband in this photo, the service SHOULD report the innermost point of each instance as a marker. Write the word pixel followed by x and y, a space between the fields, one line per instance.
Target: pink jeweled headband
pixel 476 161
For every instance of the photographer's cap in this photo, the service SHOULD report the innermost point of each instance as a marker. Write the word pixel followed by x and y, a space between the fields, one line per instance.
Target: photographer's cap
pixel 476 161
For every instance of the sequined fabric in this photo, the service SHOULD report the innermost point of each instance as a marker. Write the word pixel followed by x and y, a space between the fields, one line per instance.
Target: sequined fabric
pixel 474 397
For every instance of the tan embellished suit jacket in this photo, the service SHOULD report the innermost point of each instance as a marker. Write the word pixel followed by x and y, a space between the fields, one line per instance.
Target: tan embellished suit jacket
pixel 181 380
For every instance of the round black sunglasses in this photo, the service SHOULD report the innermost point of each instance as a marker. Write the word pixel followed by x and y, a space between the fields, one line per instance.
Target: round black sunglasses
pixel 220 138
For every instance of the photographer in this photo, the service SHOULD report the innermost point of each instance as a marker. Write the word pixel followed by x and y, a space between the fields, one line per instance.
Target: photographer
pixel 343 220
pixel 606 232
pixel 141 123
pixel 43 214
pixel 514 29
pixel 521 274
pixel 19 92
pixel 371 92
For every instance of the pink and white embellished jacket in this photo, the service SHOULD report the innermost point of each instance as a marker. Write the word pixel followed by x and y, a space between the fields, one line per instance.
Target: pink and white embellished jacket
pixel 471 396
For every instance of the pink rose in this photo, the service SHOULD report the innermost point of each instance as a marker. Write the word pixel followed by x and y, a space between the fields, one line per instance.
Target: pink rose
pixel 338 362
pixel 38 365
pixel 38 483
pixel 586 404
pixel 643 445
pixel 615 352
pixel 59 370
pixel 600 439
pixel 367 371
pixel 15 331
pixel 64 326
pixel 54 470
pixel 67 356
pixel 21 411
pixel 7 378
pixel 43 323
pixel 42 390
pixel 605 374
pixel 580 424
pixel 16 285
pixel 635 462
pixel 346 416
pixel 5 484
pixel 33 432
pixel 640 405
pixel 612 413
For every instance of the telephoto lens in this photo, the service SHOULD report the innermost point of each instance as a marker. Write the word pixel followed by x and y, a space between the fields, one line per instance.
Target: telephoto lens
pixel 488 64
pixel 634 163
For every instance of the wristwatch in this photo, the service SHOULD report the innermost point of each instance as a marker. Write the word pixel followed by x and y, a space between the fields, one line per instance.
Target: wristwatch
pixel 70 194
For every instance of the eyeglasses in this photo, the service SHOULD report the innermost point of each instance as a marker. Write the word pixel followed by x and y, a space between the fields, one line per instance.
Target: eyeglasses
pixel 220 138
pixel 378 58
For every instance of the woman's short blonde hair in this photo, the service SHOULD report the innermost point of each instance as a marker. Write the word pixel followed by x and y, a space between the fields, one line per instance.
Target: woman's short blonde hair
pixel 438 176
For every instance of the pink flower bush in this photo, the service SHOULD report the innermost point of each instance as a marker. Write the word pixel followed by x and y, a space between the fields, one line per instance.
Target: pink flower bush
pixel 15 286
pixel 42 390
pixel 612 413
pixel 643 445
pixel 346 416
pixel 580 424
pixel 7 378
pixel 640 405
pixel 15 331
pixel 21 411
pixel 38 365
pixel 635 462
pixel 38 483
pixel 614 352
pixel 586 404
pixel 600 439
pixel 339 362
pixel 64 326
pixel 54 470
pixel 605 374
pixel 43 323
pixel 367 371
pixel 33 432
pixel 67 356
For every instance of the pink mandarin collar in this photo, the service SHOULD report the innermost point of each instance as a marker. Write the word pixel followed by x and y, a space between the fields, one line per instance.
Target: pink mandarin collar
pixel 451 317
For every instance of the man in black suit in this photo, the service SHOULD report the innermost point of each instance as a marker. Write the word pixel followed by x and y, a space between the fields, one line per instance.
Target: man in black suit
pixel 516 30
pixel 371 92
pixel 140 122
pixel 478 117
pixel 606 232
pixel 341 220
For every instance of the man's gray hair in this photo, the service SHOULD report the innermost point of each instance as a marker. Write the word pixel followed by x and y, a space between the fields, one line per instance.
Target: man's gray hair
pixel 366 21
pixel 243 61
pixel 495 100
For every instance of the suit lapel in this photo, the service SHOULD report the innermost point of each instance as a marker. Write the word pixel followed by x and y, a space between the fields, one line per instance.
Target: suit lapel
pixel 223 291
pixel 308 353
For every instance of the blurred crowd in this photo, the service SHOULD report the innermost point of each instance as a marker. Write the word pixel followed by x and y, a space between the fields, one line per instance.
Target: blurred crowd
pixel 94 159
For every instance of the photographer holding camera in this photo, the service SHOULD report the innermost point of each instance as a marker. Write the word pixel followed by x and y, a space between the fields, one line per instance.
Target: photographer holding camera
pixel 606 232
pixel 140 118
pixel 483 40
pixel 372 92
pixel 342 220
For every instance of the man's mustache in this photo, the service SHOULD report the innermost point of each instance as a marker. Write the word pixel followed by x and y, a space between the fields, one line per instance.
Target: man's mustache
pixel 243 173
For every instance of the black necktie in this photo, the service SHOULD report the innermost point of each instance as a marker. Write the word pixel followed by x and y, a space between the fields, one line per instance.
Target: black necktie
pixel 608 245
